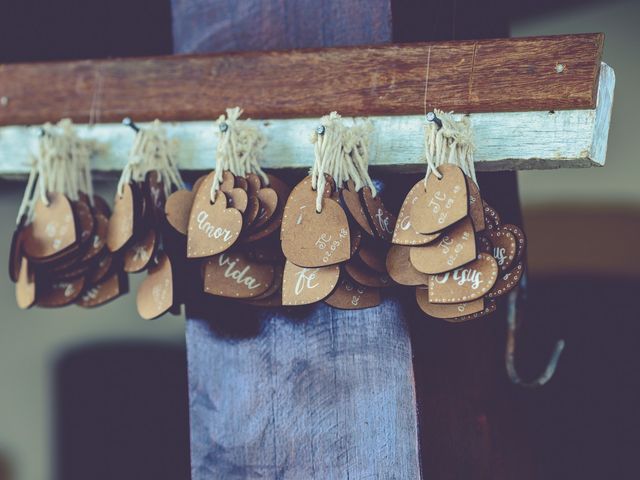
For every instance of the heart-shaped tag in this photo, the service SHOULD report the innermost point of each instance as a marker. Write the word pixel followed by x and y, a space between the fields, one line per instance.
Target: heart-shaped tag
pixel 302 285
pixel 366 276
pixel 400 268
pixel 447 311
pixel 213 228
pixel 351 200
pixel 282 191
pixel 109 289
pixel 489 307
pixel 233 274
pixel 139 254
pixel 465 283
pixel 453 249
pixel 177 209
pixel 476 207
pixel 154 194
pixel 100 205
pixel 60 292
pixel 99 238
pixel 373 255
pixel 53 228
pixel 268 200
pixel 85 221
pixel 521 240
pixel 491 217
pixel 310 238
pixel 276 284
pixel 351 296
pixel 382 219
pixel 155 294
pixel 121 223
pixel 443 202
pixel 507 281
pixel 101 268
pixel 404 233
pixel 25 285
pixel 238 199
pixel 503 247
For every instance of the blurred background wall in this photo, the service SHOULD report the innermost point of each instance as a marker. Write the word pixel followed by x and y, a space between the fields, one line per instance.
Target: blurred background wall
pixel 570 216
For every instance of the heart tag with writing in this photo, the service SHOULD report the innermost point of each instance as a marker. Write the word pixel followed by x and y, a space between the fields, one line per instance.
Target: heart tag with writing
pixel 476 207
pixel 491 217
pixel 109 289
pixel 366 276
pixel 53 228
pixel 139 254
pixel 465 283
pixel 213 227
pixel 25 285
pixel 122 221
pixel 447 311
pixel 521 240
pixel 303 285
pixel 400 268
pixel 268 202
pixel 155 294
pixel 382 219
pixel 507 281
pixel 177 210
pixel 404 233
pixel 349 295
pixel 456 247
pixel 282 191
pixel 443 202
pixel 351 200
pixel 503 247
pixel 235 275
pixel 310 238
pixel 59 292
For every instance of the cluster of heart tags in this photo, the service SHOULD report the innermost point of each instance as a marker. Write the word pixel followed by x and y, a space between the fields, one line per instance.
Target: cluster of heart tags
pixel 258 241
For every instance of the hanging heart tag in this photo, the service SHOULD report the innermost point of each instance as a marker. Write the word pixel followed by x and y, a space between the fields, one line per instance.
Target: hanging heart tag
pixel 404 233
pixel 453 249
pixel 442 203
pixel 233 274
pixel 302 285
pixel 503 247
pixel 351 200
pixel 139 254
pixel 121 223
pixel 268 202
pixel 351 296
pixel 53 228
pixel 507 281
pixel 238 199
pixel 109 289
pixel 155 294
pixel 99 238
pixel 366 276
pixel 382 219
pixel 400 268
pixel 521 240
pixel 177 209
pixel 447 311
pixel 476 207
pixel 60 292
pixel 491 217
pixel 465 283
pixel 282 191
pixel 25 285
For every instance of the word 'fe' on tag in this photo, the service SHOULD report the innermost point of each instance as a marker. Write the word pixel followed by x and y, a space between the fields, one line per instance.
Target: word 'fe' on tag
pixel 304 285
pixel 404 233
pixel 310 238
pixel 177 210
pixel 53 228
pixel 382 220
pixel 476 207
pixel 213 228
pixel 453 249
pixel 234 275
pixel 400 268
pixel 349 295
pixel 155 294
pixel 121 223
pixel 447 310
pixel 443 202
pixel 503 247
pixel 351 200
pixel 465 283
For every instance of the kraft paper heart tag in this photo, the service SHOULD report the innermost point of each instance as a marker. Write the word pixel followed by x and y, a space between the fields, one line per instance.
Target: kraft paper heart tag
pixel 476 207
pixel 109 289
pixel 60 292
pixel 465 283
pixel 366 276
pixel 507 281
pixel 254 184
pixel 400 268
pixel 251 213
pixel 213 227
pixel 154 195
pixel 137 256
pixel 311 238
pixel 373 255
pixel 238 199
pixel 53 228
pixel 404 233
pixel 100 205
pixel 489 307
pixel 15 251
pixel 155 294
pixel 303 285
pixel 491 217
pixel 233 274
pixel 241 182
pixel 383 220
pixel 282 191
pixel 504 247
pixel 443 202
pixel 351 200
pixel 453 249
pixel 447 311
pixel 25 285
pixel 349 295
pixel 268 201
pixel 521 241
pixel 122 221
pixel 85 221
pixel 177 209
pixel 198 183
pixel 98 239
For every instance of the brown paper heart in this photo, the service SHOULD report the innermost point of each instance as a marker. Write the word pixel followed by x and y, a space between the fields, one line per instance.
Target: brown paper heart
pixel 380 218
pixel 521 240
pixel 282 190
pixel 177 209
pixel 491 217
pixel 227 183
pixel 237 198
pixel 268 201
pixel 122 221
pixel 254 184
pixel 310 238
pixel 103 266
pixel 400 268
pixel 373 255
pixel 443 202
pixel 507 281
pixel 155 294
pixel 198 182
pixel 453 249
pixel 447 311
pixel 349 295
pixel 489 307
pixel 15 252
pixel 59 293
pixel 109 289
pixel 476 207
pixel 154 195
pixel 366 276
pixel 233 274
pixel 351 200
pixel 139 254
pixel 302 285
pixel 213 228
pixel 503 247
pixel 242 183
pixel 53 229
pixel 25 285
pixel 251 213
pixel 100 205
pixel 98 239
pixel 404 233
pixel 85 221
pixel 465 283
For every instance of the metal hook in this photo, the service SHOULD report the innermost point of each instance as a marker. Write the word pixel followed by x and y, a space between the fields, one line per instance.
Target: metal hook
pixel 431 117
pixel 126 121
pixel 512 323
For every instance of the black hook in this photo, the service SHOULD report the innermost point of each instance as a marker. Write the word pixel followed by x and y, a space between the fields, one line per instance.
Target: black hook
pixel 431 117
pixel 129 123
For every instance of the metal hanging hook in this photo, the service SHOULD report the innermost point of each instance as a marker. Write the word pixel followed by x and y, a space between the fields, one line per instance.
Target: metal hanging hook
pixel 512 328
pixel 126 121
pixel 431 117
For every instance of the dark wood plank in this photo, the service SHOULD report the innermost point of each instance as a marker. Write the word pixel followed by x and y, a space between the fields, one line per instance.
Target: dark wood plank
pixel 465 76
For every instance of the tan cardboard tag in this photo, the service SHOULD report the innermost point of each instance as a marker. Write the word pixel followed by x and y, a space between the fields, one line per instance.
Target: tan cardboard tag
pixel 98 239
pixel 507 281
pixel 154 195
pixel 139 254
pixel 382 219
pixel 351 200
pixel 503 247
pixel 400 268
pixel 302 285
pixel 25 285
pixel 177 209
pixel 465 283
pixel 491 217
pixel 476 207
pixel 121 222
pixel 100 205
pixel 447 310
pixel 155 294
pixel 60 292
pixel 349 295
pixel 237 198
pixel 404 233
pixel 355 234
pixel 233 274
pixel 85 222
pixel 241 182
pixel 101 268
pixel 521 240
pixel 443 202
pixel 109 289
pixel 53 228
pixel 268 201
pixel 365 275
pixel 456 247
pixel 282 190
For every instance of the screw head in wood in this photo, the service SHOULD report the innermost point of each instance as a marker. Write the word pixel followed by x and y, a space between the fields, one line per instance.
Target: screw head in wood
pixel 320 129
pixel 223 127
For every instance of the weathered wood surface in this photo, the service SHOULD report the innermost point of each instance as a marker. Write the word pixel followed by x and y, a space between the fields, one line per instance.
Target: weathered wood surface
pixel 504 140
pixel 318 395
pixel 524 74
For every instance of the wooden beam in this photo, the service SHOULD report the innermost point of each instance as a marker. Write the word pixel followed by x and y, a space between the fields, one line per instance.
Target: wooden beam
pixel 505 140
pixel 524 74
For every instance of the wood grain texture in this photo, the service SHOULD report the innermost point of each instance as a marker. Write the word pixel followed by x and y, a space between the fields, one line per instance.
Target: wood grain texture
pixel 316 394
pixel 464 76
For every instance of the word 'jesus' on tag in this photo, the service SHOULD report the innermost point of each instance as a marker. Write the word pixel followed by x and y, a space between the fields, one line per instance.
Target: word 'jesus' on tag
pixel 465 283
